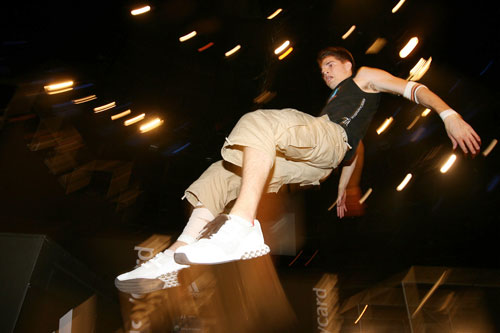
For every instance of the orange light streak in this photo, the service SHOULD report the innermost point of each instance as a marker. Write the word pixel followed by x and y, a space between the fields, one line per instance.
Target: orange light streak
pixel 281 57
pixel 203 48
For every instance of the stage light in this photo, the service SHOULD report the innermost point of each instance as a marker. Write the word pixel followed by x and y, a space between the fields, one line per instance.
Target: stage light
pixel 59 91
pixel 121 114
pixel 349 32
pixel 361 315
pixel 440 281
pixel 385 124
pixel 419 70
pixel 413 123
pixel 396 8
pixel 426 112
pixel 141 10
pixel 490 147
pixel 58 88
pixel 281 57
pixel 151 125
pixel 188 36
pixel 233 50
pixel 366 195
pixel 104 107
pixel 404 182
pixel 84 99
pixel 312 257
pixel 264 97
pixel 409 47
pixel 276 13
pixel 448 163
pixel 282 47
pixel 296 257
pixel 134 120
pixel 203 48
pixel 376 46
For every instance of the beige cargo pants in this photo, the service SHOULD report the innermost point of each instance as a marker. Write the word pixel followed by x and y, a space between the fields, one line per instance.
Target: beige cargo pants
pixel 305 150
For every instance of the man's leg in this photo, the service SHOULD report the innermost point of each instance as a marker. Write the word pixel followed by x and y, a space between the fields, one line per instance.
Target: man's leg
pixel 253 144
pixel 238 235
pixel 216 186
pixel 256 168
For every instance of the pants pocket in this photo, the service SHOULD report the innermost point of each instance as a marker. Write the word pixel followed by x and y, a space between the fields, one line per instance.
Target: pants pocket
pixel 299 143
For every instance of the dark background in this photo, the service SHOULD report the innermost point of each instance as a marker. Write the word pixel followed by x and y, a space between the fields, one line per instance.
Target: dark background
pixel 139 63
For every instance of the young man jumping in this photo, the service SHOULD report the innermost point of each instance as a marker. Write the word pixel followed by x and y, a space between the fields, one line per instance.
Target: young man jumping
pixel 277 147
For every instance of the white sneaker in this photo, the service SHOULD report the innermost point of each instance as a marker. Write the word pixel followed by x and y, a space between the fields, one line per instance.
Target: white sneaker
pixel 224 240
pixel 159 272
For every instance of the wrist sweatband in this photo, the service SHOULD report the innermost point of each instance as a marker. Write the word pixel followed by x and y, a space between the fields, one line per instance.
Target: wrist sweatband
pixel 446 113
pixel 411 91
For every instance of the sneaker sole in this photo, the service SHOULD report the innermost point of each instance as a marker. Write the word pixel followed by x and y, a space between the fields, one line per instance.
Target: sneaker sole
pixel 145 286
pixel 181 258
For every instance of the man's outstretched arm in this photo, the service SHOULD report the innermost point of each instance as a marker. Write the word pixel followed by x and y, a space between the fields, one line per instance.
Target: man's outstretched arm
pixel 459 131
pixel 345 175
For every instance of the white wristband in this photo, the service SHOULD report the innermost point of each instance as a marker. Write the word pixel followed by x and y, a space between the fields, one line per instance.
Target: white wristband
pixel 446 113
pixel 411 89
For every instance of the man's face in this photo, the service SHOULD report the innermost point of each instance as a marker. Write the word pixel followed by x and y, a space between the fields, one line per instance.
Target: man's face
pixel 335 71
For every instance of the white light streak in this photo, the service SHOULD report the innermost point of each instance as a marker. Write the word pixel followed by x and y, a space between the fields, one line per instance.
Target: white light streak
pixel 396 8
pixel 333 205
pixel 405 51
pixel 426 112
pixel 59 91
pixel 349 32
pixel 377 45
pixel 361 315
pixel 366 195
pixel 233 50
pixel 490 147
pixel 188 36
pixel 419 70
pixel 84 99
pixel 141 10
pixel 413 123
pixel 134 120
pixel 58 88
pixel 384 126
pixel 121 114
pixel 151 125
pixel 276 13
pixel 430 292
pixel 104 107
pixel 448 163
pixel 282 47
pixel 404 182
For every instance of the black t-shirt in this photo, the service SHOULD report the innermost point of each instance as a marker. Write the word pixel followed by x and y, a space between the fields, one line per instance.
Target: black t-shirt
pixel 353 109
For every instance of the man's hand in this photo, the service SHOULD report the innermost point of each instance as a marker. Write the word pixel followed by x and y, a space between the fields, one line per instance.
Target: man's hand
pixel 341 206
pixel 462 134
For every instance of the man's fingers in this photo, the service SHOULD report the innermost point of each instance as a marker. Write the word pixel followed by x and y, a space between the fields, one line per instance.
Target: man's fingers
pixel 341 209
pixel 471 143
pixel 476 140
pixel 453 141
pixel 462 145
pixel 477 137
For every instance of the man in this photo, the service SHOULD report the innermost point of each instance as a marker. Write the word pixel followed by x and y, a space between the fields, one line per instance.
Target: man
pixel 277 147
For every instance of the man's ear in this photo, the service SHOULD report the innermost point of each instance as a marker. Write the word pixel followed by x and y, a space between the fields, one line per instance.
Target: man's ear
pixel 348 65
